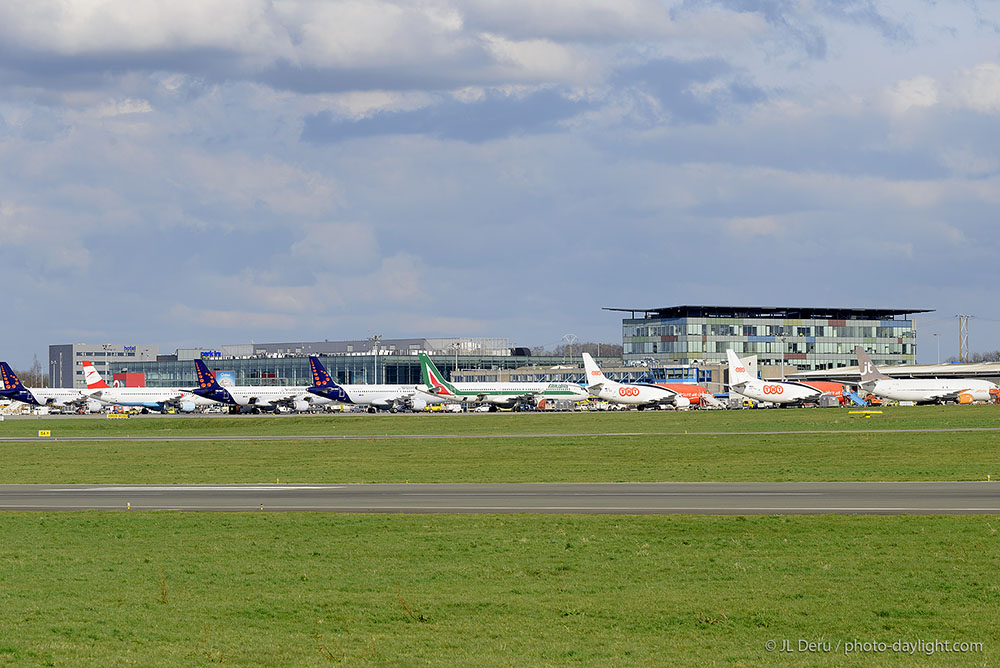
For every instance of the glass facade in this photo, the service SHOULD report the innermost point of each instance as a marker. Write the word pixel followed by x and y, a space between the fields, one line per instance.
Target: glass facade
pixel 808 343
pixel 356 369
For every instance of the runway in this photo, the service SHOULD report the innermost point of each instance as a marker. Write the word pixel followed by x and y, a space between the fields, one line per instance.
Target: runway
pixel 575 498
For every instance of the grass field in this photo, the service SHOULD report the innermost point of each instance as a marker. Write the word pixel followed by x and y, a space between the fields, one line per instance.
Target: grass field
pixel 198 589
pixel 514 448
pixel 168 589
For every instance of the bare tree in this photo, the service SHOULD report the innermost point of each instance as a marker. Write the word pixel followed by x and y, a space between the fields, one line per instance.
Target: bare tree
pixel 34 377
pixel 595 349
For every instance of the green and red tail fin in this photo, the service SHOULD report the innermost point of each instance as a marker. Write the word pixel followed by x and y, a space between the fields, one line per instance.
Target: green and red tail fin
pixel 433 378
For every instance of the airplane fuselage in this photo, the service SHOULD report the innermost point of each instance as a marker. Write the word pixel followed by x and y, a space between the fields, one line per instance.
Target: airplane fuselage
pixel 381 396
pixel 781 392
pixel 638 394
pixel 507 394
pixel 928 390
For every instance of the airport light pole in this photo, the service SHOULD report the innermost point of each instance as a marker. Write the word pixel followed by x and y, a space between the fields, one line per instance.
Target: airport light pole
pixel 375 341
pixel 937 337
pixel 456 345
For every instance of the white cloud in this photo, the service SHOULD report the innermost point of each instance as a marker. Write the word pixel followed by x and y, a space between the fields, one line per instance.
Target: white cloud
pixel 978 88
pixel 918 92
pixel 124 106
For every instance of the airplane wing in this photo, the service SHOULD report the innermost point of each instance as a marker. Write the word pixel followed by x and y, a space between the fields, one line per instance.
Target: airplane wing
pixel 952 395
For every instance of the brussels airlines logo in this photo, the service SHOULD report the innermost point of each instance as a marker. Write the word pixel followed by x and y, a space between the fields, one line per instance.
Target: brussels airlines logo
pixel 203 380
pixel 626 391
pixel 320 377
pixel 774 389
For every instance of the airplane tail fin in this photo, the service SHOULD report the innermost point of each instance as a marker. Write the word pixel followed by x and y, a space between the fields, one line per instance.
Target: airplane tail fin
pixel 321 377
pixel 869 372
pixel 594 374
pixel 324 385
pixel 11 383
pixel 206 379
pixel 93 377
pixel 737 369
pixel 433 379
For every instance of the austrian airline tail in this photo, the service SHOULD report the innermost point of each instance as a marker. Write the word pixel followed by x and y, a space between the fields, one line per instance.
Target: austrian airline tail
pixel 594 374
pixel 869 372
pixel 433 379
pixel 737 369
pixel 93 377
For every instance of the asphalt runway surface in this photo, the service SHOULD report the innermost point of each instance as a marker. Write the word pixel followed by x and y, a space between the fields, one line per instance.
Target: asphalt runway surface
pixel 889 498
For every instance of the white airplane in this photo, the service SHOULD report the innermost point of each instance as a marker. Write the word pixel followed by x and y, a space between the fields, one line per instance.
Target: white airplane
pixel 154 398
pixel 38 396
pixel 642 395
pixel 507 395
pixel 254 398
pixel 777 392
pixel 922 390
pixel 385 397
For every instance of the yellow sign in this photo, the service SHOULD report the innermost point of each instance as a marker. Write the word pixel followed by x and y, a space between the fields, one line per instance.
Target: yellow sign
pixel 44 433
pixel 866 414
pixel 117 416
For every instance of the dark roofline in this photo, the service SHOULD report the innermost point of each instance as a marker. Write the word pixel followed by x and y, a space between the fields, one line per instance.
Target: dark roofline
pixel 796 312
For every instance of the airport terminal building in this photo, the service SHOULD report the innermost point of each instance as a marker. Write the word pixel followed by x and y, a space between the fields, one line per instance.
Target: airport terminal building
pixel 808 338
pixel 685 344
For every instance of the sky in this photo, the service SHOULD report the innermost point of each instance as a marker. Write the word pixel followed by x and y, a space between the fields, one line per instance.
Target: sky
pixel 203 173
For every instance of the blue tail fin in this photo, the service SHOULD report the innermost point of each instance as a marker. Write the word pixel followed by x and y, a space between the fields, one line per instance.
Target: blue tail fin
pixel 323 384
pixel 209 387
pixel 206 379
pixel 11 383
pixel 13 388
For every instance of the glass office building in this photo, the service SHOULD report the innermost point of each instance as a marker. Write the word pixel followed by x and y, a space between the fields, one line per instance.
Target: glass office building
pixel 808 338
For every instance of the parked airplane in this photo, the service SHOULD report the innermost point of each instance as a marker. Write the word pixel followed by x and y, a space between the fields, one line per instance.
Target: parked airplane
pixel 643 395
pixel 153 398
pixel 506 395
pixel 38 396
pixel 777 392
pixel 386 397
pixel 922 390
pixel 254 398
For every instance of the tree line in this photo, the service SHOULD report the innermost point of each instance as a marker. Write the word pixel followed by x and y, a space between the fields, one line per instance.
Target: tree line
pixel 574 350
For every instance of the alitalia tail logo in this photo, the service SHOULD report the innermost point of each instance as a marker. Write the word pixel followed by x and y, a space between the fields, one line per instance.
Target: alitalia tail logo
pixel 437 383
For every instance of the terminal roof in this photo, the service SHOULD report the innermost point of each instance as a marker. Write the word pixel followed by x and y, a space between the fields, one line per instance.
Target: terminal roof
pixel 796 312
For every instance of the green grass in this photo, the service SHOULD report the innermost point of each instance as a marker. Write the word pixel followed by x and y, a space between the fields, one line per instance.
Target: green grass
pixel 168 589
pixel 386 449
pixel 917 417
